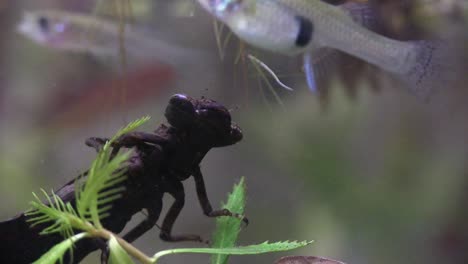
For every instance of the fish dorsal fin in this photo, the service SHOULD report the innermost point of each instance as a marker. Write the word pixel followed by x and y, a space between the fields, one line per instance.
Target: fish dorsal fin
pixel 364 14
pixel 320 62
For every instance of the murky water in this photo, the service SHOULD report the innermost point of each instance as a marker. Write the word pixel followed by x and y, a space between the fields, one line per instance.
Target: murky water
pixel 370 170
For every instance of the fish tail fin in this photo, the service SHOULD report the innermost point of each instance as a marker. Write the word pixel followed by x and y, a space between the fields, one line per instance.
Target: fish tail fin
pixel 435 67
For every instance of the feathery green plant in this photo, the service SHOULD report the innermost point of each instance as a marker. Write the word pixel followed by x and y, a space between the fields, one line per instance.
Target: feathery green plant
pixel 105 172
pixel 227 232
pixel 91 204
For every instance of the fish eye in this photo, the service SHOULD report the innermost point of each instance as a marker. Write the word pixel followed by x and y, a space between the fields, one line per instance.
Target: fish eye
pixel 306 30
pixel 43 24
pixel 221 6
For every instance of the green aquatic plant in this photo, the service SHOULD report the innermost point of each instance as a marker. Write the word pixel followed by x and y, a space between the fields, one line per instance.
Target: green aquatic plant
pixel 92 202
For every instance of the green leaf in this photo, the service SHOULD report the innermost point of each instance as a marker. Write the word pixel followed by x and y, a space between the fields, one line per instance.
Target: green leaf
pixel 265 247
pixel 228 228
pixel 62 216
pixel 56 253
pixel 92 203
pixel 117 254
pixel 130 127
pixel 105 172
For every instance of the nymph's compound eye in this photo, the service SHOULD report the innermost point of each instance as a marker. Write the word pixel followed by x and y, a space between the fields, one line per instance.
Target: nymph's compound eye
pixel 180 111
pixel 43 24
pixel 214 124
pixel 215 117
pixel 225 6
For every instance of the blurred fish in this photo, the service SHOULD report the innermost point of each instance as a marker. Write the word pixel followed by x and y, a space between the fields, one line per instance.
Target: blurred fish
pixel 71 108
pixel 307 27
pixel 154 65
pixel 86 33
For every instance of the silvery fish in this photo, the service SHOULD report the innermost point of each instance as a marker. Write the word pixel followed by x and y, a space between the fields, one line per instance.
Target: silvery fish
pixel 306 27
pixel 86 33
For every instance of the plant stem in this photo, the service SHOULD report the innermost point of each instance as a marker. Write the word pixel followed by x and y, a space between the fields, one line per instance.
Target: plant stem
pixel 129 248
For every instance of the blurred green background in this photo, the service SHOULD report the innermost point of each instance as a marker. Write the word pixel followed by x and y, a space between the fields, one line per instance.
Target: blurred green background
pixel 371 176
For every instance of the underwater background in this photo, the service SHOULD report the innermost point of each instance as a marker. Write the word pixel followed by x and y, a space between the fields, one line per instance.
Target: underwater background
pixel 370 172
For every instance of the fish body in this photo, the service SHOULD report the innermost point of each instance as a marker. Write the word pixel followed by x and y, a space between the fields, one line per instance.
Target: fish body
pixel 302 27
pixel 81 33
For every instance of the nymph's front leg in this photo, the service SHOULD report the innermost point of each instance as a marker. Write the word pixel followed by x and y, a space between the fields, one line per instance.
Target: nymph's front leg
pixel 152 200
pixel 96 143
pixel 205 203
pixel 153 205
pixel 176 189
pixel 153 197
